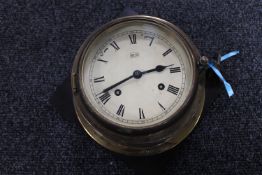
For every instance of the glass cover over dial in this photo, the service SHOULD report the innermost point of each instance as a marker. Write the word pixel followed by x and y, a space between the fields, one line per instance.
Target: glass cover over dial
pixel 136 74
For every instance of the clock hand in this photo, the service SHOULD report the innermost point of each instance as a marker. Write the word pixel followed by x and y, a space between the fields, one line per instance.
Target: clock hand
pixel 116 84
pixel 137 74
pixel 158 68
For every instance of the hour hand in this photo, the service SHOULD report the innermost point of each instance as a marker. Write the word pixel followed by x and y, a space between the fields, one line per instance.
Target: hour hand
pixel 158 68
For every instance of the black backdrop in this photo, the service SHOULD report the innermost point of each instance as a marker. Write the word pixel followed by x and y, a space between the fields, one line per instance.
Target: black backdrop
pixel 38 41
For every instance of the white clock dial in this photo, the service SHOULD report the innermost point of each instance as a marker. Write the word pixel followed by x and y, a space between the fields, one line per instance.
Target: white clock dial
pixel 136 74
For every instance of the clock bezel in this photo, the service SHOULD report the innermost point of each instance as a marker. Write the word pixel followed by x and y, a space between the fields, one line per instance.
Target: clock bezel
pixel 146 141
pixel 93 116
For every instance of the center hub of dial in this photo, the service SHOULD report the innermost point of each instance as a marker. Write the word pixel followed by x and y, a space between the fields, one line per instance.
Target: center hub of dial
pixel 137 74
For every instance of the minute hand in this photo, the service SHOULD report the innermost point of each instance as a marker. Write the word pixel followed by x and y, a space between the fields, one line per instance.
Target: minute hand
pixel 118 83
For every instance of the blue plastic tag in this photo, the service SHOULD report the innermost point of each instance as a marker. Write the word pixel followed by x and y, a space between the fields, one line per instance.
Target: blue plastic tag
pixel 228 55
pixel 228 87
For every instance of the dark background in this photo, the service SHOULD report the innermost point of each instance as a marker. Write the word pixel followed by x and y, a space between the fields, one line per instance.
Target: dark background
pixel 38 42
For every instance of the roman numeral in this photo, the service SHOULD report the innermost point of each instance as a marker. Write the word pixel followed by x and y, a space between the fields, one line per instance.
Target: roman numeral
pixel 167 52
pixel 102 53
pixel 105 97
pixel 121 110
pixel 105 50
pixel 152 39
pixel 161 106
pixel 99 79
pixel 114 45
pixel 141 114
pixel 102 60
pixel 174 69
pixel 172 89
pixel 132 38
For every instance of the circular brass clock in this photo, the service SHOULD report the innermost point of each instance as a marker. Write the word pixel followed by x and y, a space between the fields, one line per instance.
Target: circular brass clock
pixel 136 85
